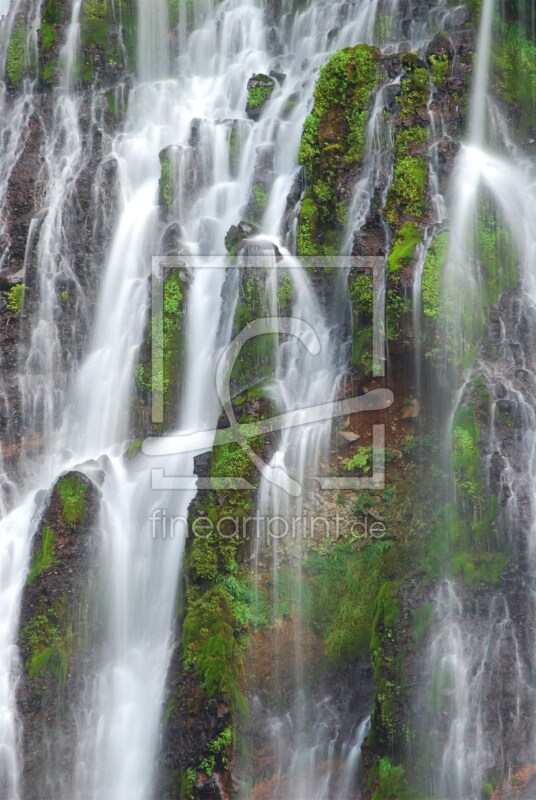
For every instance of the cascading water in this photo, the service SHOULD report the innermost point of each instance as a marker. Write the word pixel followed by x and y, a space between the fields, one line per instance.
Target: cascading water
pixel 466 661
pixel 185 143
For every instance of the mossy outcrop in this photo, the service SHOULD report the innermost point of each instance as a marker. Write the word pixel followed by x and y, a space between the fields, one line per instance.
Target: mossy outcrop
pixel 59 629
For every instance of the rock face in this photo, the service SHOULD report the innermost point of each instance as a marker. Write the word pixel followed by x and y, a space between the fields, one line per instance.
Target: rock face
pixel 260 88
pixel 59 627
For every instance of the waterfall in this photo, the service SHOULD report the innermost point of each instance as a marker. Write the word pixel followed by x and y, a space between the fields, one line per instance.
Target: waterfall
pixel 160 139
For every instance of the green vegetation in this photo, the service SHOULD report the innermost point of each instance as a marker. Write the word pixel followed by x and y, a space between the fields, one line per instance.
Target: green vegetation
pixel 362 299
pixel 260 197
pixel 72 492
pixel 15 298
pixel 361 460
pixel 392 782
pixel 343 587
pixel 16 54
pixel 431 275
pixel 218 751
pixel 333 143
pixel 166 180
pixel 440 68
pixel 256 359
pixel 422 619
pixel 407 192
pixel 257 95
pixel 167 326
pixel 406 240
pixel 220 603
pixel 50 20
pixel 45 556
pixel 514 66
pixel 48 639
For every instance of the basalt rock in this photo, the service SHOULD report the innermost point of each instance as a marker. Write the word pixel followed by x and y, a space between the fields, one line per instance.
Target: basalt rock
pixel 59 631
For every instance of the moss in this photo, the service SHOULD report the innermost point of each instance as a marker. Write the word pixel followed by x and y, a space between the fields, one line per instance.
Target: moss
pixel 407 192
pixel 422 619
pixel 514 69
pixel 15 298
pixel 406 240
pixel 220 604
pixel 415 89
pixel 392 782
pixel 45 557
pixel 362 299
pixel 344 584
pixel 72 494
pixel 260 197
pixel 16 65
pixel 48 642
pixel 440 66
pixel 168 326
pixel 258 95
pixel 332 144
pixel 166 180
pixel 431 275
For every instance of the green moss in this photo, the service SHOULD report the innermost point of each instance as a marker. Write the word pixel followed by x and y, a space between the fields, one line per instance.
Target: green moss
pixel 16 54
pixel 332 143
pixel 431 275
pixel 167 325
pixel 362 299
pixel 15 298
pixel 166 180
pixel 392 782
pixel 344 583
pixel 72 494
pixel 440 67
pixel 422 619
pixel 258 95
pixel 407 192
pixel 514 68
pixel 45 557
pixel 415 89
pixel 260 197
pixel 48 640
pixel 406 240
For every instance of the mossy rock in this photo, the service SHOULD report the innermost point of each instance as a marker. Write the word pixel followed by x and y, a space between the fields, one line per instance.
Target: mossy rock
pixel 260 88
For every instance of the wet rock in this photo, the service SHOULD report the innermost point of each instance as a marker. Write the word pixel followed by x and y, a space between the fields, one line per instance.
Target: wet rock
pixel 440 46
pixel 237 234
pixel 411 410
pixel 345 438
pixel 59 630
pixel 280 77
pixel 172 239
pixel 260 88
pixel 456 18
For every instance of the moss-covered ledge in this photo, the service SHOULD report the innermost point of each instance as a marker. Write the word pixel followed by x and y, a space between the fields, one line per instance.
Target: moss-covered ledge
pixel 58 627
pixel 332 147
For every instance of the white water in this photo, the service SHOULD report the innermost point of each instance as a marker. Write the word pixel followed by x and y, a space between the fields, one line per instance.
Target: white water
pixel 85 415
pixel 471 657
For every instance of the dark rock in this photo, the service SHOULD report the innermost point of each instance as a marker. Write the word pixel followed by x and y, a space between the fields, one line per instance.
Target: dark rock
pixel 259 86
pixel 59 611
pixel 456 18
pixel 237 234
pixel 439 46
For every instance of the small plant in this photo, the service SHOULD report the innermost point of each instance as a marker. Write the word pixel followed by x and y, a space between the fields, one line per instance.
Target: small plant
pixel 15 298
pixel 341 499
pixel 362 460
pixel 362 503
